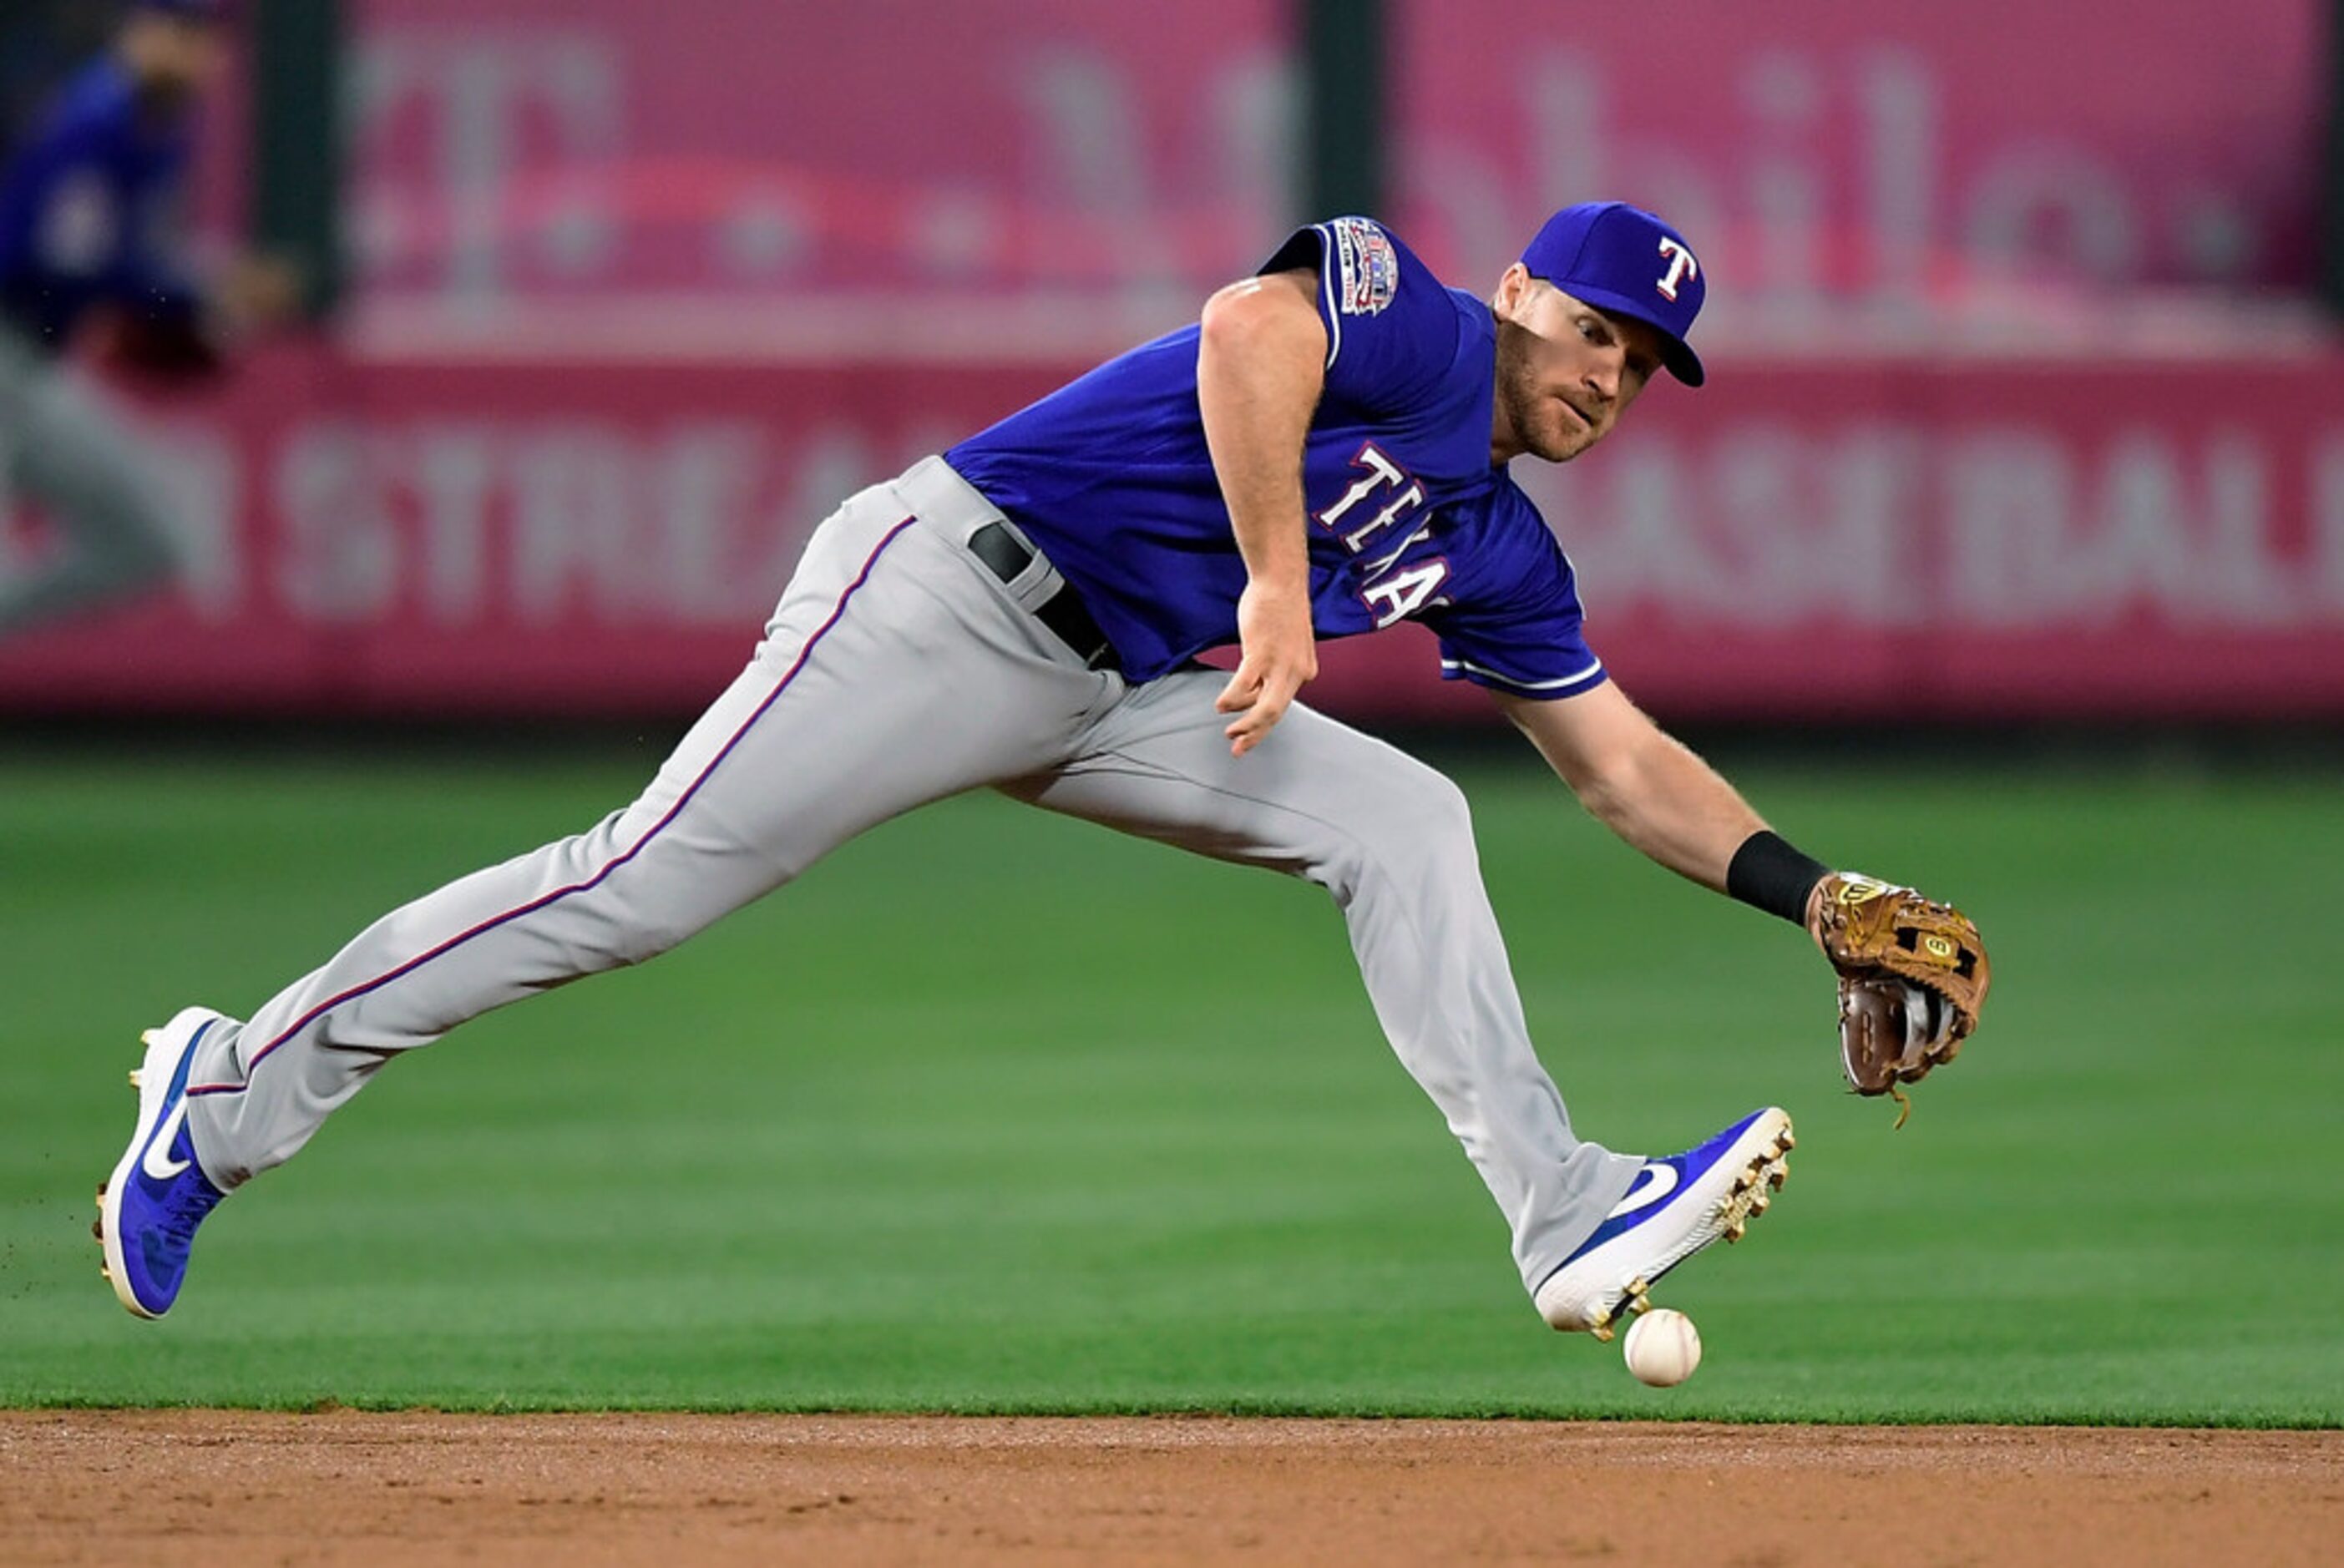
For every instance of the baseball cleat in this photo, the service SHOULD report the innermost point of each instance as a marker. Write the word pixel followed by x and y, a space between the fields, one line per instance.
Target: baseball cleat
pixel 1678 1206
pixel 149 1207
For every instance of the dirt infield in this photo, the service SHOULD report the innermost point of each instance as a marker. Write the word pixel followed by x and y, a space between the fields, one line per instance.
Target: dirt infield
pixel 348 1488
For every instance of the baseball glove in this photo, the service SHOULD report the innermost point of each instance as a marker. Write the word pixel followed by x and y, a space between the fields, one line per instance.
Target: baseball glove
pixel 1913 975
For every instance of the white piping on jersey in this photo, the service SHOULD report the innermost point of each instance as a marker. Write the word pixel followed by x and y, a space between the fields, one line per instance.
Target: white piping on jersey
pixel 1328 262
pixel 1594 667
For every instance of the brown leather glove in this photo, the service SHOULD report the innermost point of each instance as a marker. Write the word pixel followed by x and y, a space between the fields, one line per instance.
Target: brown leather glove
pixel 1913 975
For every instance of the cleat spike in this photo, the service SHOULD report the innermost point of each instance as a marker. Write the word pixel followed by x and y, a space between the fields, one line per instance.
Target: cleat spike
pixel 1789 1143
pixel 105 1273
pixel 146 1036
pixel 1759 1203
pixel 1777 1174
pixel 1734 1231
pixel 97 1230
pixel 134 1078
pixel 1602 1332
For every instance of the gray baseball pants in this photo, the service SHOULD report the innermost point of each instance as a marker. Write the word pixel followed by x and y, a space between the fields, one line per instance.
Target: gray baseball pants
pixel 62 446
pixel 898 670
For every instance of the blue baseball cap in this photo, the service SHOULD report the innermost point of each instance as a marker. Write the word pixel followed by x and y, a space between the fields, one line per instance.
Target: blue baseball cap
pixel 1624 261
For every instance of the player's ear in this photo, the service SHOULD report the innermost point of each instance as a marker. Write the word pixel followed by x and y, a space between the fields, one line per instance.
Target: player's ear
pixel 1513 291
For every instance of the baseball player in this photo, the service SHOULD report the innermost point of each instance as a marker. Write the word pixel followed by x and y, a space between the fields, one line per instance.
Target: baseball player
pixel 1323 454
pixel 87 207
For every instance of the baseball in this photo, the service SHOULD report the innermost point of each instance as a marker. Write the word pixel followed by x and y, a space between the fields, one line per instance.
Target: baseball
pixel 1662 1348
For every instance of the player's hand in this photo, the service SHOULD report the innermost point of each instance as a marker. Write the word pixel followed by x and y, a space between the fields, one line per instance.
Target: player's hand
pixel 1280 652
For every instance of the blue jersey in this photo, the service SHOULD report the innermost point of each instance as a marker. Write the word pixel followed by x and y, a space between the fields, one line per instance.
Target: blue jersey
pixel 1408 518
pixel 86 209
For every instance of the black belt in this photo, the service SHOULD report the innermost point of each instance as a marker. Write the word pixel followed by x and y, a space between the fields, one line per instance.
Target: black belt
pixel 1007 557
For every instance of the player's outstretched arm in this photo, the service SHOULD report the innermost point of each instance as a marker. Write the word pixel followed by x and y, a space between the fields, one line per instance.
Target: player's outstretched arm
pixel 1261 366
pixel 1913 973
pixel 1639 780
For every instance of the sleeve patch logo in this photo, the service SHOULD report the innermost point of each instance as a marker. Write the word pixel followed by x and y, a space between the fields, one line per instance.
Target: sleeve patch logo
pixel 1367 267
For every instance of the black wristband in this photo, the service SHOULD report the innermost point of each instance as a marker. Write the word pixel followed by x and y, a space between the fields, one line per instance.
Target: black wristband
pixel 1768 874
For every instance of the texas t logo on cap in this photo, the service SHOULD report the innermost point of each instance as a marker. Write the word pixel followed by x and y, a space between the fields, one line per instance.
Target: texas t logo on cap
pixel 1681 266
pixel 1626 262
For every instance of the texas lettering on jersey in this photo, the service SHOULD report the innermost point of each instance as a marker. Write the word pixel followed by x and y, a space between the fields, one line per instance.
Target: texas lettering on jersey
pixel 1379 538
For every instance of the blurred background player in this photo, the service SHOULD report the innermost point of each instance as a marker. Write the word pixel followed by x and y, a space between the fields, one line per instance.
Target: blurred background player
pixel 88 246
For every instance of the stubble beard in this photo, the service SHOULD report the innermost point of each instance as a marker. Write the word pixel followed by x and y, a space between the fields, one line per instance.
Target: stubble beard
pixel 1530 413
pixel 1543 431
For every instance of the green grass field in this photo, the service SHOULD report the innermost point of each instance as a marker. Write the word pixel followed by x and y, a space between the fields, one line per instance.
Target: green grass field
pixel 998 1112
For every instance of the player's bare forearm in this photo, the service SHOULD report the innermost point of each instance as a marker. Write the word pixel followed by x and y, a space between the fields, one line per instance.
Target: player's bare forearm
pixel 1261 366
pixel 1639 780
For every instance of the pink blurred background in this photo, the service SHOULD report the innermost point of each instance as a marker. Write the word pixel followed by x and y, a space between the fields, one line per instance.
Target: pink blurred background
pixel 2020 403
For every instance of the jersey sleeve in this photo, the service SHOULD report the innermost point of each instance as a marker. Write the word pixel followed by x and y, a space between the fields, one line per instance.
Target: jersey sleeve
pixel 1391 326
pixel 1527 637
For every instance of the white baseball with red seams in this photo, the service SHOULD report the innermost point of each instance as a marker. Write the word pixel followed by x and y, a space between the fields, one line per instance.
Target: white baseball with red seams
pixel 1662 1348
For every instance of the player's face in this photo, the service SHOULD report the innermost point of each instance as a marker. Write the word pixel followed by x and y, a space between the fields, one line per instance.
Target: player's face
pixel 1566 370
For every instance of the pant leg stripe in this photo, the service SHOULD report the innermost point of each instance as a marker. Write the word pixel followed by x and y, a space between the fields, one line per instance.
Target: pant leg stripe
pixel 599 877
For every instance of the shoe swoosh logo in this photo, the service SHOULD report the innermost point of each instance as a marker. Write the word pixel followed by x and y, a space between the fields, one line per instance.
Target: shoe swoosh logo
pixel 158 1163
pixel 1644 1194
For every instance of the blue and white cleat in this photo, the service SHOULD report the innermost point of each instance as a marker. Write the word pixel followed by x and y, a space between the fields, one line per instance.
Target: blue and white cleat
pixel 1678 1206
pixel 149 1207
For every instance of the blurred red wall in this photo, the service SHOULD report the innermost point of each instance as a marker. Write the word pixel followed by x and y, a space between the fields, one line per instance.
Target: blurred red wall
pixel 1796 539
pixel 2018 407
pixel 1871 150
